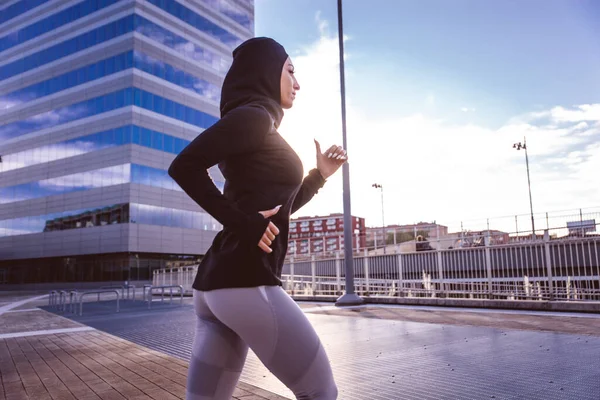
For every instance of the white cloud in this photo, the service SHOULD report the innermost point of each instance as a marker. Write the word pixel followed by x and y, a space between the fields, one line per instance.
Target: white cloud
pixel 467 109
pixel 584 112
pixel 432 170
pixel 322 24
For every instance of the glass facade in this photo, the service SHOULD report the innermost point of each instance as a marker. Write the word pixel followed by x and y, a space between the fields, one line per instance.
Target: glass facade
pixel 68 101
pixel 106 67
pixel 108 102
pixel 18 8
pixel 128 134
pixel 53 21
pixel 99 216
pixel 104 177
pixel 111 31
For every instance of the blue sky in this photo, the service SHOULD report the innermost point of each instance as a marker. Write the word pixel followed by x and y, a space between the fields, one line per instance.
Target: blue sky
pixel 501 57
pixel 496 69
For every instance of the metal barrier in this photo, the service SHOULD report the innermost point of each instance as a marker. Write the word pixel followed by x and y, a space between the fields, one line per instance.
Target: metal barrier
pixel 52 298
pixel 62 298
pixel 82 295
pixel 183 276
pixel 568 269
pixel 125 290
pixel 170 287
pixel 72 304
pixel 58 299
pixel 128 287
pixel 549 270
pixel 146 286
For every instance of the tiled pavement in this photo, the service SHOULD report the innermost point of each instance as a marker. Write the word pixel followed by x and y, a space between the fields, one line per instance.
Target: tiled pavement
pixel 377 352
pixel 37 363
pixel 93 365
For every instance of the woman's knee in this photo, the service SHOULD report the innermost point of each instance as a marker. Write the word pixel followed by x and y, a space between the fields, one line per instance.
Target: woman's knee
pixel 328 393
pixel 324 392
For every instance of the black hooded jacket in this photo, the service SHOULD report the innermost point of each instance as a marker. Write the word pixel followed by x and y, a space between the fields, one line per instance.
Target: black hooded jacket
pixel 261 171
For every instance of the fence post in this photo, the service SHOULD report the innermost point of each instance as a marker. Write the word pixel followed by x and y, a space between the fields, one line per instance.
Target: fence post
pixel 313 272
pixel 366 272
pixel 440 269
pixel 488 264
pixel 338 273
pixel 548 264
pixel 400 272
pixel 292 274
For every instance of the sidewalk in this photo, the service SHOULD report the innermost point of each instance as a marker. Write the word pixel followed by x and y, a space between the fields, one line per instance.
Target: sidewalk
pixel 377 352
pixel 46 356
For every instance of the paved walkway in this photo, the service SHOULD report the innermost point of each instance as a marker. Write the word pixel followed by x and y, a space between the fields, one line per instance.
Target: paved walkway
pixel 46 356
pixel 377 353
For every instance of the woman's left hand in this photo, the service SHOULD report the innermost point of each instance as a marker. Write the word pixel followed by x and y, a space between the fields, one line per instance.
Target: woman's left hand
pixel 331 160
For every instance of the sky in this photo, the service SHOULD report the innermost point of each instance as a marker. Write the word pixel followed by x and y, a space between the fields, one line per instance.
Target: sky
pixel 437 93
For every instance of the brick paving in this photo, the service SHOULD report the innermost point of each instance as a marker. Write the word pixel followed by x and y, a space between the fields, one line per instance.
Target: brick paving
pixel 93 365
pixel 510 355
pixel 27 321
pixel 37 363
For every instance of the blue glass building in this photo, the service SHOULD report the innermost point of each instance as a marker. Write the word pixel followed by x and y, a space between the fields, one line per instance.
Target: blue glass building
pixel 96 99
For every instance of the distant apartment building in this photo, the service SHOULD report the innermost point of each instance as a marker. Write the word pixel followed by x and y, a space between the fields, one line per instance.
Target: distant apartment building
pixel 310 235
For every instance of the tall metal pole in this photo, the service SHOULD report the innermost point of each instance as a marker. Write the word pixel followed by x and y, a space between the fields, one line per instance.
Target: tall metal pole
pixel 523 146
pixel 529 185
pixel 383 224
pixel 349 298
pixel 380 187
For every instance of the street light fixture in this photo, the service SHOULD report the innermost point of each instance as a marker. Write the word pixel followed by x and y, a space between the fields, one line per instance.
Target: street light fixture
pixel 523 146
pixel 349 298
pixel 378 186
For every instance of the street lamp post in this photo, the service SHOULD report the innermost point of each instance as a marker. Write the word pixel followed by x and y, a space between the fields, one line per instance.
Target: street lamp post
pixel 349 298
pixel 378 186
pixel 523 146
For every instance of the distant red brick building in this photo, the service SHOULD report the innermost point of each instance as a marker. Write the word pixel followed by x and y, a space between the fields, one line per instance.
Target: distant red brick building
pixel 310 235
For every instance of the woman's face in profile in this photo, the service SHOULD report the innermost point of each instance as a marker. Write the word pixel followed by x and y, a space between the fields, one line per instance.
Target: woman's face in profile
pixel 289 85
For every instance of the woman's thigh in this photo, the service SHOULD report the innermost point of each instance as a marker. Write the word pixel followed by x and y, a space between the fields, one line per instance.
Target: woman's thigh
pixel 276 329
pixel 218 356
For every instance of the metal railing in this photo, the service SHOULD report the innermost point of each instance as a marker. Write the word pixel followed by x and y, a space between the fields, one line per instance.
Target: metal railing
pixel 559 270
pixel 125 290
pixel 58 299
pixel 98 292
pixel 66 300
pixel 162 288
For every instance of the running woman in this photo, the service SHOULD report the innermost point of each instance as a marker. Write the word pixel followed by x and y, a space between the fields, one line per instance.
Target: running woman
pixel 238 296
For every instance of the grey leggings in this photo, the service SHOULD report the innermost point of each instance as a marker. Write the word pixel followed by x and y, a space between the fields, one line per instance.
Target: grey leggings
pixel 268 321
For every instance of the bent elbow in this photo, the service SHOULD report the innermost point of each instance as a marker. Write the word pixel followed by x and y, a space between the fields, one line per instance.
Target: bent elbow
pixel 175 171
pixel 174 168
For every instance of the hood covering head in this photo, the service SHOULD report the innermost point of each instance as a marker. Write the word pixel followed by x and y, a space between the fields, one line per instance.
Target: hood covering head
pixel 255 77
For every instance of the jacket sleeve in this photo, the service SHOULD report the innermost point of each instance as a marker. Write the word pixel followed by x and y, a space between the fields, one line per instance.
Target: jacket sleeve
pixel 240 131
pixel 310 186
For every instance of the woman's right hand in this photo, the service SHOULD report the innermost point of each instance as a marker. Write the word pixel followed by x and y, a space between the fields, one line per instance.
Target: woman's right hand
pixel 270 232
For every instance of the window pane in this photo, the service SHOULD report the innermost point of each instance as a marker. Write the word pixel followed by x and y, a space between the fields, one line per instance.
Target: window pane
pixel 157 140
pixel 168 143
pixel 146 137
pixel 136 135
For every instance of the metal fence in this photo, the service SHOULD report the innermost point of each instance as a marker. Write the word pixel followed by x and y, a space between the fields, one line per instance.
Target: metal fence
pixel 561 270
